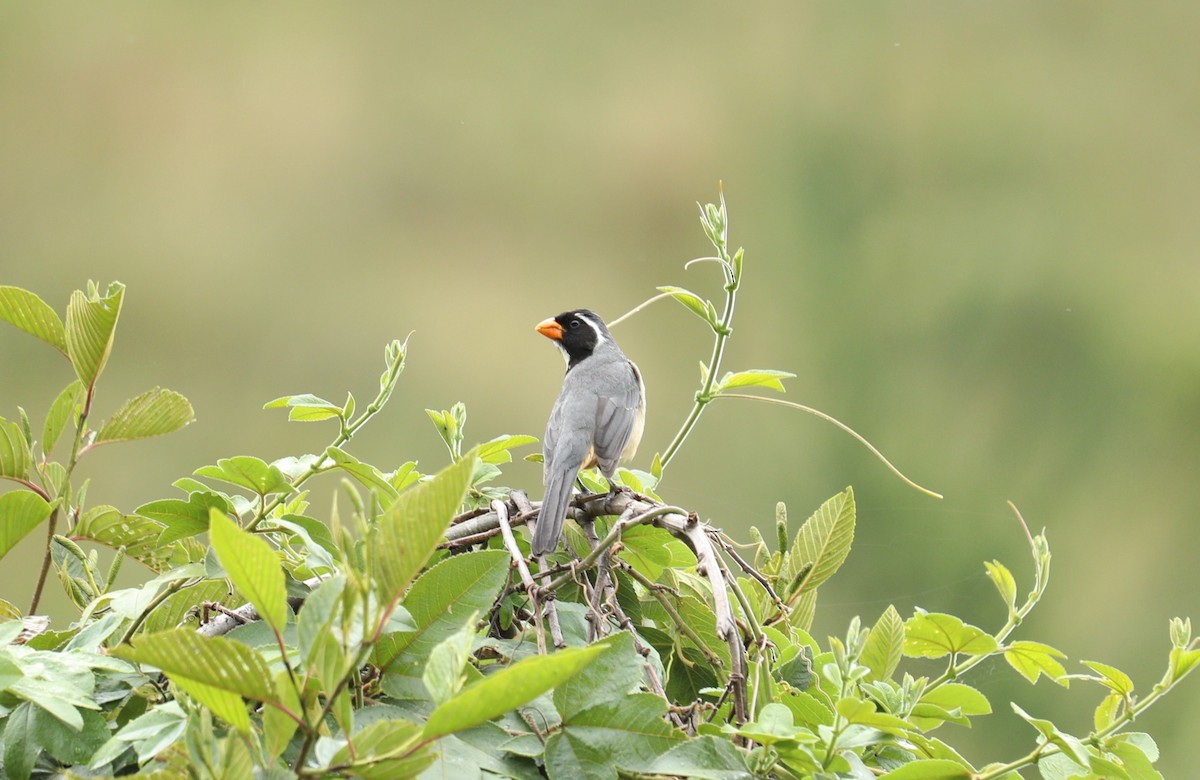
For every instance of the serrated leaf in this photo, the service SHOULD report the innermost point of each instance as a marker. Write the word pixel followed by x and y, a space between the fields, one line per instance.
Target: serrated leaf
pixel 935 634
pixel 439 603
pixel 217 671
pixel 823 542
pixel 409 531
pixel 703 758
pixel 629 735
pixel 885 645
pixel 15 457
pixel 21 511
pixel 758 377
pixel 1033 659
pixel 138 535
pixel 183 518
pixel 692 302
pixel 1005 583
pixel 507 689
pixel 20 744
pixel 248 472
pixel 153 413
pixel 27 311
pixel 957 696
pixel 253 567
pixel 609 677
pixel 61 412
pixel 91 323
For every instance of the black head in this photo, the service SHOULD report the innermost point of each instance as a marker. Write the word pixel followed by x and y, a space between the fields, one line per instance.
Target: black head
pixel 577 332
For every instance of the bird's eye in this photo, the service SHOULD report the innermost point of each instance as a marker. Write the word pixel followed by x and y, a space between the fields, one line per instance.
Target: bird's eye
pixel 574 324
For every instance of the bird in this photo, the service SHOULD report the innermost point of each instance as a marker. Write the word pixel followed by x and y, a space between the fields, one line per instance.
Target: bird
pixel 596 421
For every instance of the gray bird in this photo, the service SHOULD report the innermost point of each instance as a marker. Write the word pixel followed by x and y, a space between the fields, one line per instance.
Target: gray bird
pixel 597 419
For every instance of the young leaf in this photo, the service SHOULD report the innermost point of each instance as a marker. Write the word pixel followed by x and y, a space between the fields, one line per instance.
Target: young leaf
pixel 1032 659
pixel 306 408
pixel 20 512
pixel 248 472
pixel 759 377
pixel 934 634
pixel 1003 579
pixel 31 314
pixel 885 645
pixel 252 566
pixel 91 322
pixel 15 457
pixel 153 413
pixel 365 473
pixel 692 302
pixel 64 409
pixel 1072 747
pixel 823 542
pixel 409 531
pixel 1111 676
pixel 497 450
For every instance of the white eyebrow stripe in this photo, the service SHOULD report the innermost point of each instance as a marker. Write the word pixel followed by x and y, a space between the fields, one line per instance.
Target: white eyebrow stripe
pixel 599 333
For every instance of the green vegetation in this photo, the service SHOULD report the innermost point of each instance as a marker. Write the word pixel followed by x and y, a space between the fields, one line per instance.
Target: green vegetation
pixel 408 633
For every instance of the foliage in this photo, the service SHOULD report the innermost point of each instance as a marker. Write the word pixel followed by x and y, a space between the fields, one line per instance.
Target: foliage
pixel 411 636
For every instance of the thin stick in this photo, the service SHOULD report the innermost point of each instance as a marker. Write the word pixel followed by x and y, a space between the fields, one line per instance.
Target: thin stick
pixel 510 541
pixel 840 424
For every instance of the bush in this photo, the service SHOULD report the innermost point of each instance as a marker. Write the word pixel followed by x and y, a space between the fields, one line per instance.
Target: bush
pixel 414 634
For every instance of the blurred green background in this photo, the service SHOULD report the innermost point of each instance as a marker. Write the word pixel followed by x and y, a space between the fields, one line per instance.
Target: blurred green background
pixel 971 230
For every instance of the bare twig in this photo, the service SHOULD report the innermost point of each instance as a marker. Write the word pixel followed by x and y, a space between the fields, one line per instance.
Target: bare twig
pixel 531 588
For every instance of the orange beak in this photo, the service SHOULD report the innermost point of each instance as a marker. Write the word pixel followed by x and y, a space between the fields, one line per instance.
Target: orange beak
pixel 550 329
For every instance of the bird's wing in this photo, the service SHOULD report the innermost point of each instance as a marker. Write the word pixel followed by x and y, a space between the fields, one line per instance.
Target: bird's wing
pixel 616 417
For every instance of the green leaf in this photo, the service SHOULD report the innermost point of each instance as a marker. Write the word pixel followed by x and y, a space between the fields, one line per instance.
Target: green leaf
pixel 138 535
pixel 808 710
pixel 248 472
pixel 21 745
pixel 278 727
pixel 957 696
pixel 759 377
pixel 183 518
pixel 31 314
pixel 929 769
pixel 703 758
pixel 934 634
pixel 216 671
pixel 409 531
pixel 252 566
pixel 443 675
pixel 91 323
pixel 65 409
pixel 153 413
pixel 507 689
pixel 440 603
pixel 370 477
pixel 1111 676
pixel 627 734
pixel 1033 659
pixel 1072 747
pixel 383 750
pixel 885 645
pixel 15 457
pixel 306 408
pixel 1003 579
pixel 497 451
pixel 21 511
pixel 69 745
pixel 823 542
pixel 692 302
pixel 610 677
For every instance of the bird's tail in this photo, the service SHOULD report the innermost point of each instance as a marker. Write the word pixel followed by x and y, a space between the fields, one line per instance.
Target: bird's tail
pixel 559 486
